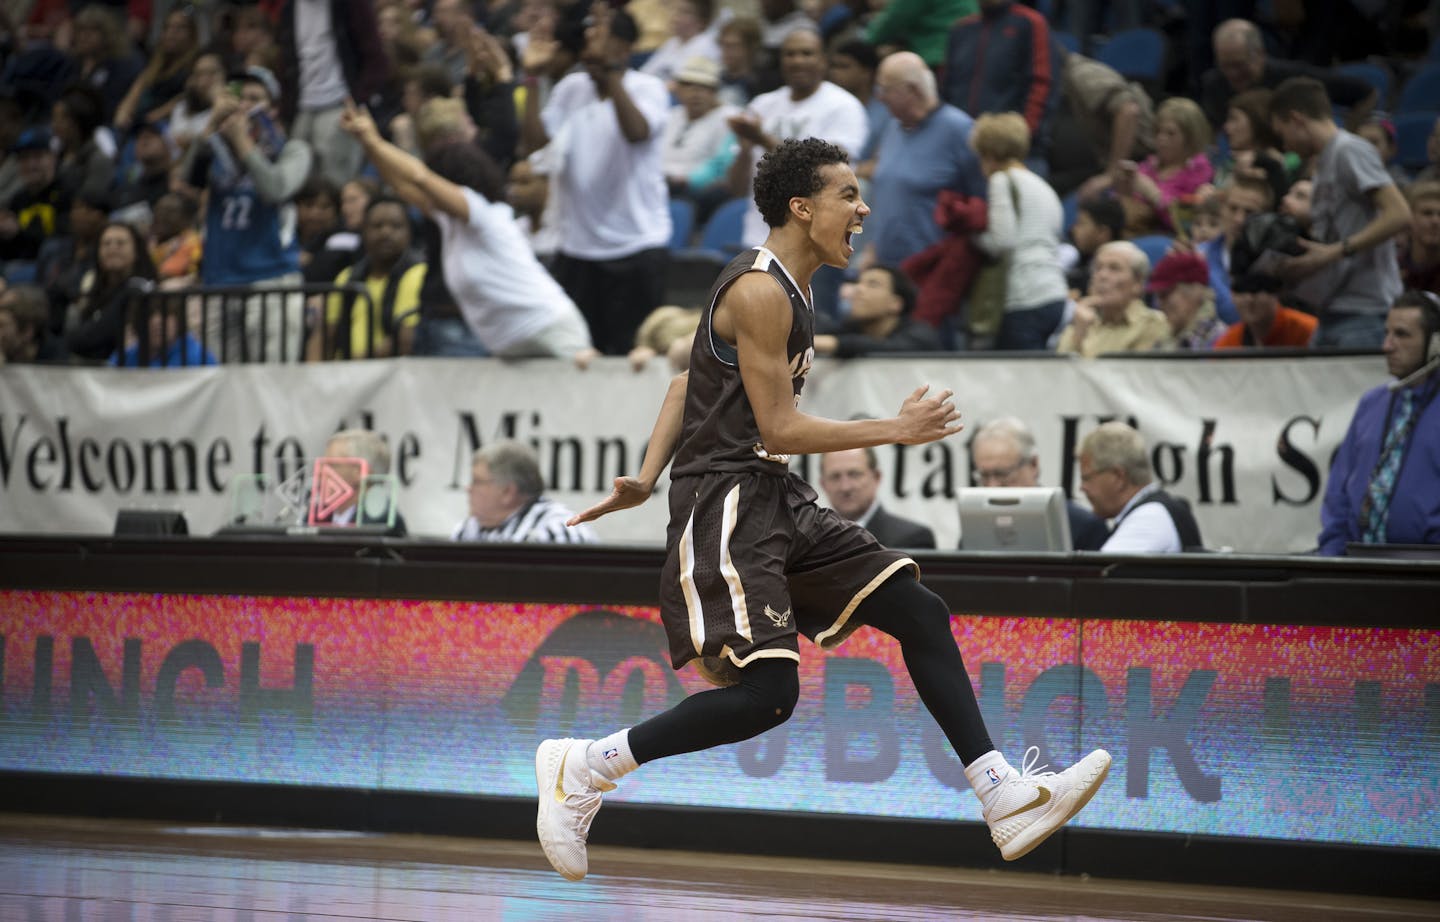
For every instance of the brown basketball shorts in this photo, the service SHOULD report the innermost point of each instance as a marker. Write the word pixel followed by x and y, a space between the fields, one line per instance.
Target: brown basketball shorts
pixel 753 561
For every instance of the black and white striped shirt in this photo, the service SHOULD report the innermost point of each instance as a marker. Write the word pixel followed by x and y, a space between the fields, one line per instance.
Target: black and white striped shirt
pixel 540 522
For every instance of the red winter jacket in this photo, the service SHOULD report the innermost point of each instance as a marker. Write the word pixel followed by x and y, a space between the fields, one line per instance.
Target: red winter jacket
pixel 943 271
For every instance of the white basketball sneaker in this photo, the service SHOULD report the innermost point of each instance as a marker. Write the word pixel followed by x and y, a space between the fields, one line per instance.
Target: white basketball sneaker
pixel 1033 804
pixel 569 796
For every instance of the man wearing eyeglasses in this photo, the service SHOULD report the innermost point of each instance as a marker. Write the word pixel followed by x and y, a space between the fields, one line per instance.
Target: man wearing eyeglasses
pixel 1116 476
pixel 1003 455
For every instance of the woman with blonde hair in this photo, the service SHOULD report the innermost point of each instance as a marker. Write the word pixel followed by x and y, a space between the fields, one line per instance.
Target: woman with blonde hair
pixel 1024 227
pixel 1176 174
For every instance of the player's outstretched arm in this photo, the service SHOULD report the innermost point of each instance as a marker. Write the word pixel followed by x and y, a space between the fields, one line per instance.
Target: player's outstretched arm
pixel 755 315
pixel 632 491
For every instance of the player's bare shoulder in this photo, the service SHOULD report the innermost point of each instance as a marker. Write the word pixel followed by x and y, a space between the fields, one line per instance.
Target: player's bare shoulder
pixel 754 298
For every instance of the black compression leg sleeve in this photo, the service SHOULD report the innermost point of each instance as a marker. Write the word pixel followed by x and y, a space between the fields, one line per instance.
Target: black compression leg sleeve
pixel 764 698
pixel 920 620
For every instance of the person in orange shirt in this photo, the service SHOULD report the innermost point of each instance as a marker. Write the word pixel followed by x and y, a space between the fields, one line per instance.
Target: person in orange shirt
pixel 175 244
pixel 1264 321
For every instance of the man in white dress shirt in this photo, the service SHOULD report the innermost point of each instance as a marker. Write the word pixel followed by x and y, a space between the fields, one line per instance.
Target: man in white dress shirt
pixel 1116 476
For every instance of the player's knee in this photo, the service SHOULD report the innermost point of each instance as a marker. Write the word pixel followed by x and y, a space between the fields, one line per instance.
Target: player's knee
pixel 908 612
pixel 773 693
pixel 931 611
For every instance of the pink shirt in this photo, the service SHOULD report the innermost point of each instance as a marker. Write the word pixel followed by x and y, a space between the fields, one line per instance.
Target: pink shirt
pixel 1196 172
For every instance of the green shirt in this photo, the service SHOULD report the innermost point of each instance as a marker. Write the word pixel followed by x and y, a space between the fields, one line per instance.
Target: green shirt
pixel 921 25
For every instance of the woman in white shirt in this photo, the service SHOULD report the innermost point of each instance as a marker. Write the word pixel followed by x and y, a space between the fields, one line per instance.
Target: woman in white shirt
pixel 515 307
pixel 1025 218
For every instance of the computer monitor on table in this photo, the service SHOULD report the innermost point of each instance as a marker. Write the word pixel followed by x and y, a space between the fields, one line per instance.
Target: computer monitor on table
pixel 1014 519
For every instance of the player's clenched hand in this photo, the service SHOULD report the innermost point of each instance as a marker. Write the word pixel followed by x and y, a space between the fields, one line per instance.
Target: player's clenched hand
pixel 627 494
pixel 928 419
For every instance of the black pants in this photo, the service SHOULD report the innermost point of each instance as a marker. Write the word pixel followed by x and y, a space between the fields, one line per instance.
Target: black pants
pixel 769 688
pixel 615 295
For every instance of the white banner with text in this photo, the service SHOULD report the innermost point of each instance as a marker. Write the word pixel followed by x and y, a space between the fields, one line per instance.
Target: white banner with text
pixel 1248 440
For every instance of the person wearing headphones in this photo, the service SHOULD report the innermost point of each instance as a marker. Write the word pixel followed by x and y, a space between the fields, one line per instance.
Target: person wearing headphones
pixel 1384 486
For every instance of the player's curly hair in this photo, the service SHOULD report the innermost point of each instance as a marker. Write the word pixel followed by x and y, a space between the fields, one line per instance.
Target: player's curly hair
pixel 792 169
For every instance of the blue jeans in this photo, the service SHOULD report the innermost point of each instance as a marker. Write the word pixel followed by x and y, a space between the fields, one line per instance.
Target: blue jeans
pixel 1029 328
pixel 1350 331
pixel 447 337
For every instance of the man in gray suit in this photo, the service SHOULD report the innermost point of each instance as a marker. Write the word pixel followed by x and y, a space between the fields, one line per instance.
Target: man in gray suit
pixel 851 480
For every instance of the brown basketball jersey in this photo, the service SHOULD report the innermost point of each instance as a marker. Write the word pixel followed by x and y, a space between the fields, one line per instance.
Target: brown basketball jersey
pixel 719 433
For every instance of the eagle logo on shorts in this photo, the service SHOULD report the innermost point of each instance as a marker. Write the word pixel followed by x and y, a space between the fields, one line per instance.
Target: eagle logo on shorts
pixel 780 618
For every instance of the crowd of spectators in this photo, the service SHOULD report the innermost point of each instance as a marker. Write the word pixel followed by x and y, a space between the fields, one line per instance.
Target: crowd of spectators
pixel 217 133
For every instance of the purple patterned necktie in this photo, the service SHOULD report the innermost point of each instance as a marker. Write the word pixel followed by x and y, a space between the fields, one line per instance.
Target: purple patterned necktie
pixel 1382 485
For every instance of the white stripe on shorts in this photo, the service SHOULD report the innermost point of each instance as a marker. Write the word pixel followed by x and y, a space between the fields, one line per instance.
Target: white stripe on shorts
pixel 687 586
pixel 727 566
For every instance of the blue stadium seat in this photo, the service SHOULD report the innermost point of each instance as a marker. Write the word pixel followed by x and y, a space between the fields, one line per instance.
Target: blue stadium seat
pixel 1154 246
pixel 1376 75
pixel 725 228
pixel 1412 131
pixel 1136 53
pixel 682 222
pixel 1421 93
pixel 18 272
pixel 1070 206
pixel 1068 40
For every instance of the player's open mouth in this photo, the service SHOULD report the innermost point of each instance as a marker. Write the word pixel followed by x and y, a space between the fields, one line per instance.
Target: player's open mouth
pixel 852 230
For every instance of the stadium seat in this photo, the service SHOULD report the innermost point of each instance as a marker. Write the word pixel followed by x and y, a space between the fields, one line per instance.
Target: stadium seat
pixel 1412 131
pixel 1154 246
pixel 1421 93
pixel 692 269
pixel 1136 53
pixel 726 226
pixel 18 272
pixel 1068 40
pixel 682 222
pixel 1376 75
pixel 1070 206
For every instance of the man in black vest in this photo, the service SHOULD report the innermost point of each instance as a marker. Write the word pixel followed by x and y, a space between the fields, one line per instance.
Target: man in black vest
pixel 1116 477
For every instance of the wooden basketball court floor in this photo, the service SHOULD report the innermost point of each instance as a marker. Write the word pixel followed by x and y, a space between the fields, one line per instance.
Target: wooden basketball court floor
pixel 70 870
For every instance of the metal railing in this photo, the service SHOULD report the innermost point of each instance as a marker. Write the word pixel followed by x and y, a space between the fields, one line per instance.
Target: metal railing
pixel 249 324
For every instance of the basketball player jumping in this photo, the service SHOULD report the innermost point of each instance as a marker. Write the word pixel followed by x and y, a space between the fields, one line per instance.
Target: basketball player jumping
pixel 753 561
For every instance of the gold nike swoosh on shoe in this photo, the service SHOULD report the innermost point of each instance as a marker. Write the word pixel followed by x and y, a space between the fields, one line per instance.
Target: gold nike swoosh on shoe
pixel 560 778
pixel 1042 797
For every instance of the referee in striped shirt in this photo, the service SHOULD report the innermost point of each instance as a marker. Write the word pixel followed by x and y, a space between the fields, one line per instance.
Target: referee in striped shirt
pixel 506 504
